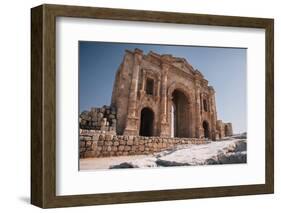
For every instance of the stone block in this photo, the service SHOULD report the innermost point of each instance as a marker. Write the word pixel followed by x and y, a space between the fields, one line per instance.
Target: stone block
pixel 132 152
pixel 108 143
pixel 100 143
pixel 141 147
pixel 118 153
pixel 127 148
pixel 94 146
pixel 122 142
pixel 121 147
pixel 130 142
pixel 125 153
pixel 136 142
pixel 95 137
pixel 134 148
pixel 88 143
pixel 108 137
pixel 101 137
pixel 82 144
pixel 90 154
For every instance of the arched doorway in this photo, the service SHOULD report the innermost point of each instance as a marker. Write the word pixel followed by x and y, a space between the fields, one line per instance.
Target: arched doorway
pixel 226 130
pixel 180 126
pixel 147 119
pixel 206 129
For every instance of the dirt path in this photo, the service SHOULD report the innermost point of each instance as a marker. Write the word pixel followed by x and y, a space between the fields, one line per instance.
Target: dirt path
pixel 105 163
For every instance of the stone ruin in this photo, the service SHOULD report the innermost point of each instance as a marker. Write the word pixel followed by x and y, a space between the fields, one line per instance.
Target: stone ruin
pixel 154 96
pixel 99 118
pixel 163 95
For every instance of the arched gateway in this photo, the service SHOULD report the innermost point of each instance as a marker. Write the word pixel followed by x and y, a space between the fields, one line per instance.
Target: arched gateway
pixel 179 97
pixel 180 115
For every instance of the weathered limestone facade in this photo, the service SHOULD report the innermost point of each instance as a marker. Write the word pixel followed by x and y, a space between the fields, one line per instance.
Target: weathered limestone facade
pixel 162 95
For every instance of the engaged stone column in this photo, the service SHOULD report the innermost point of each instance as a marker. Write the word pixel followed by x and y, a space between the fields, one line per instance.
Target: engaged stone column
pixel 131 125
pixel 198 106
pixel 164 93
pixel 158 88
pixel 143 80
pixel 213 112
pixel 164 123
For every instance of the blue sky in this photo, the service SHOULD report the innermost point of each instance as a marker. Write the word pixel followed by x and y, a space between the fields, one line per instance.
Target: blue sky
pixel 224 68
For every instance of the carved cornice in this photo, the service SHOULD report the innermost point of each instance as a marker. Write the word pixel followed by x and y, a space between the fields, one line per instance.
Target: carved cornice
pixel 165 62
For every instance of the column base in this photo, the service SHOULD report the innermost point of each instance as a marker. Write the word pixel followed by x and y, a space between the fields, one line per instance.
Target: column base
pixel 130 132
pixel 131 126
pixel 165 131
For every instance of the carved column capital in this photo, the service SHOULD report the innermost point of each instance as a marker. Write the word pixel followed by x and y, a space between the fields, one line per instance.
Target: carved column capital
pixel 165 67
pixel 138 56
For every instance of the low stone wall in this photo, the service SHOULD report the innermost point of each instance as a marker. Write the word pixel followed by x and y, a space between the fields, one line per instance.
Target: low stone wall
pixel 101 144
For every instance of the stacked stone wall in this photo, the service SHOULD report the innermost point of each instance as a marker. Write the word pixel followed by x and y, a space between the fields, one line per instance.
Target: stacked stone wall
pixel 98 118
pixel 105 144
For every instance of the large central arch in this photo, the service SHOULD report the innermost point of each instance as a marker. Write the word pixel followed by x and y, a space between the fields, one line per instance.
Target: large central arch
pixel 180 125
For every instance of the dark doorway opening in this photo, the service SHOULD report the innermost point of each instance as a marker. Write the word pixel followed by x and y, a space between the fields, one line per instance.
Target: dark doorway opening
pixel 146 125
pixel 180 119
pixel 226 131
pixel 206 129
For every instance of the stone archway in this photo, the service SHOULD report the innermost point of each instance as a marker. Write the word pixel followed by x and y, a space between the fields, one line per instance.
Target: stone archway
pixel 188 120
pixel 206 129
pixel 180 125
pixel 146 122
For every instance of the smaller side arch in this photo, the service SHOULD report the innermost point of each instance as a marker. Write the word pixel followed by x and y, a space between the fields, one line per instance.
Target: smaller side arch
pixel 206 129
pixel 146 122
